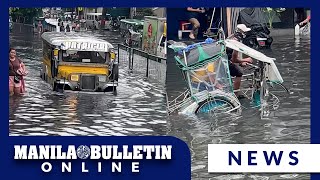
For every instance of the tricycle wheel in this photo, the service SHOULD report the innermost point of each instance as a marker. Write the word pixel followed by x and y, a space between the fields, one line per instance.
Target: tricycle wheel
pixel 215 104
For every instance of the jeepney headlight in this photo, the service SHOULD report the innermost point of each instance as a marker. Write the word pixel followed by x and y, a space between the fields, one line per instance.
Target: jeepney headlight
pixel 102 78
pixel 74 77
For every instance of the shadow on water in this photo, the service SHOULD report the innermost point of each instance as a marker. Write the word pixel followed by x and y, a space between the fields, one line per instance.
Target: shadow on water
pixel 138 109
pixel 290 123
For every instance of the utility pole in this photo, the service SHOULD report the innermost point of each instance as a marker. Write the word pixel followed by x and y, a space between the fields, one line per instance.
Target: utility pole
pixel 72 10
pixel 133 12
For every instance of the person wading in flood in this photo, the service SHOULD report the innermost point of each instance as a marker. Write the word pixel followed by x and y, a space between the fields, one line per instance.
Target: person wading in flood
pixel 40 28
pixel 62 27
pixel 233 57
pixel 306 21
pixel 16 72
pixel 68 28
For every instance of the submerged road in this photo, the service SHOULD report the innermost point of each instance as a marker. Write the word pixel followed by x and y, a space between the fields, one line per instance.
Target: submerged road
pixel 290 123
pixel 138 109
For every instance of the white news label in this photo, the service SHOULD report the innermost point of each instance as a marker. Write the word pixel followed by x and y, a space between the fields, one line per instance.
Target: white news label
pixel 262 158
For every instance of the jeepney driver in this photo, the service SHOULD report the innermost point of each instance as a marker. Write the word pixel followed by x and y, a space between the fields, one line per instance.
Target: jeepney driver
pixel 234 58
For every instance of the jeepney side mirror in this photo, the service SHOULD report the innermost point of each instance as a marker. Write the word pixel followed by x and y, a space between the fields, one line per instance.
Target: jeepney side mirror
pixel 56 54
pixel 113 55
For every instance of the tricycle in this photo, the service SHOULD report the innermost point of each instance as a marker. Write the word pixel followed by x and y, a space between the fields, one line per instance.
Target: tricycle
pixel 210 88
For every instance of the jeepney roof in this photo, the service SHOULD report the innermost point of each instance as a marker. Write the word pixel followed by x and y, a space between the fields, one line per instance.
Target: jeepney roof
pixel 132 21
pixel 76 41
pixel 52 21
pixel 274 74
pixel 94 14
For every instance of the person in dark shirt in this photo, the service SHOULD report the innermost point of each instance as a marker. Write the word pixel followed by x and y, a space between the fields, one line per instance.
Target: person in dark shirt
pixel 193 19
pixel 61 27
pixel 68 28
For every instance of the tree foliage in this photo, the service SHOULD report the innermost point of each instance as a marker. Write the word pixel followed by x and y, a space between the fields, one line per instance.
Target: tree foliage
pixel 24 14
pixel 147 12
pixel 271 13
pixel 142 12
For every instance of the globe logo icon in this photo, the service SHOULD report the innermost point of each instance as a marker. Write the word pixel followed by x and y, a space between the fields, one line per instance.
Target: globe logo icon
pixel 83 152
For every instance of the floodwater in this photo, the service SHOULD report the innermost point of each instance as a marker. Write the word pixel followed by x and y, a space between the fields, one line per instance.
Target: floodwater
pixel 138 109
pixel 290 123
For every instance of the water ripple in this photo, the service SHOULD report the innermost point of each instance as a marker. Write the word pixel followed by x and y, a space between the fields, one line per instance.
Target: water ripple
pixel 290 123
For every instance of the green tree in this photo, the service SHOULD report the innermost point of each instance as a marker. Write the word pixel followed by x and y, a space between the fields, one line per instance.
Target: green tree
pixel 271 13
pixel 24 15
pixel 147 12
pixel 142 12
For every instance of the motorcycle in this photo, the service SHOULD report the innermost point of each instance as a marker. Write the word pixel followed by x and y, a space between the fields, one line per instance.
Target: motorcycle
pixel 259 37
pixel 115 24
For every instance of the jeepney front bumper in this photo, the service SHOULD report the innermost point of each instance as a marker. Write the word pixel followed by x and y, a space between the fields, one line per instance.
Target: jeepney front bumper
pixel 87 83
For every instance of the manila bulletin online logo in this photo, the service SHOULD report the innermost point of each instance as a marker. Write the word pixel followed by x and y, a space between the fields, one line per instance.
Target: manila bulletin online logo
pixel 83 152
pixel 105 156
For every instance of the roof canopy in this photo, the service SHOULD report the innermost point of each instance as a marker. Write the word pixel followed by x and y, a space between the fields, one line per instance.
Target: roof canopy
pixel 273 73
pixel 132 21
pixel 77 41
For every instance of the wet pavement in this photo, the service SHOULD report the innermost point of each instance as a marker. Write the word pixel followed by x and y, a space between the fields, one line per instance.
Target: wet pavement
pixel 290 123
pixel 138 109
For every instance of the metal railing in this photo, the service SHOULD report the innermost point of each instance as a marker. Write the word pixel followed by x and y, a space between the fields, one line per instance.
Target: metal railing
pixel 29 28
pixel 22 28
pixel 138 61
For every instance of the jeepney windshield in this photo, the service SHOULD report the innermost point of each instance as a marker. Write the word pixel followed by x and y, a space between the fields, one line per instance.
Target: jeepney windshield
pixel 138 28
pixel 84 56
pixel 108 17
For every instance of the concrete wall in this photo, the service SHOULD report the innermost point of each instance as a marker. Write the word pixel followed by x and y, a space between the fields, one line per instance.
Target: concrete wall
pixel 93 10
pixel 160 12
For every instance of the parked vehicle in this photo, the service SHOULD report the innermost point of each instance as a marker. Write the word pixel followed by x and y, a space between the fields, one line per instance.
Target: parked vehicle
pixel 259 37
pixel 115 23
pixel 93 21
pixel 131 30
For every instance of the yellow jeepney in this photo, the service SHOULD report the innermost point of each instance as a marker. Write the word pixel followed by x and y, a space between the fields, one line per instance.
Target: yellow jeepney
pixel 78 62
